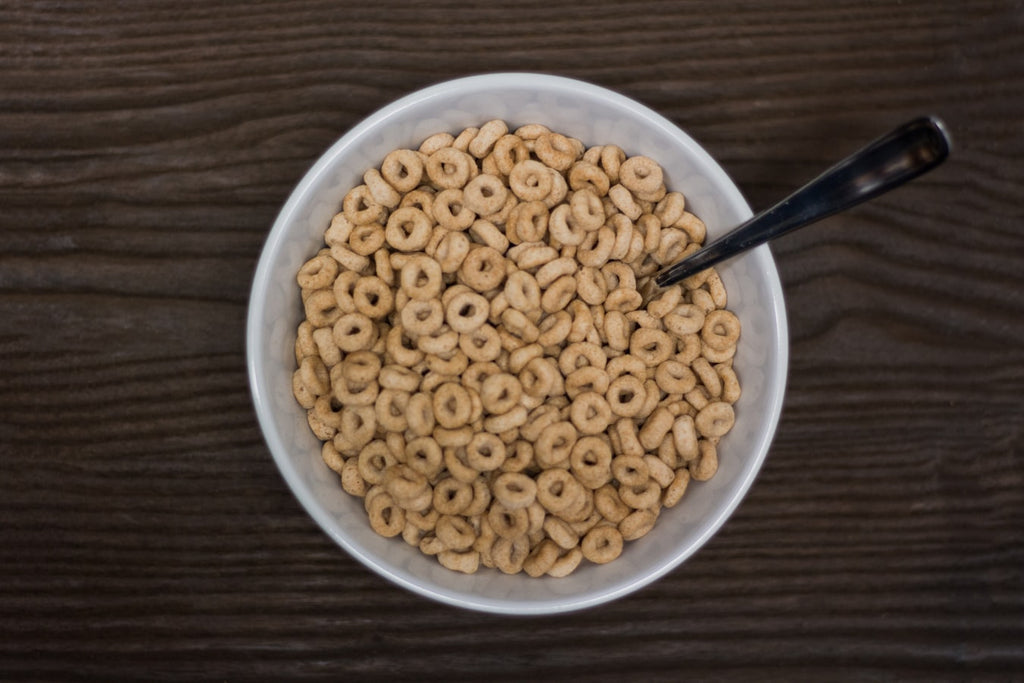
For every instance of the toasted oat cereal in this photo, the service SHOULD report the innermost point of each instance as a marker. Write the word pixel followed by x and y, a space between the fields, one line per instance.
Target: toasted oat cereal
pixel 480 365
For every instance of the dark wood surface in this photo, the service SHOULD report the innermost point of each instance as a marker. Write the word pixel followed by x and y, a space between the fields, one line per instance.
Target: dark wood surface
pixel 145 149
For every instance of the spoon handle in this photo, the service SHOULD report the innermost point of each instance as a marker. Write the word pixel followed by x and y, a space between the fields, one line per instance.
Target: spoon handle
pixel 905 153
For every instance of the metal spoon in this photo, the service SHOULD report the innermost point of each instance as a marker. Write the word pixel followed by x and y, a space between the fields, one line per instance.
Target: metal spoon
pixel 905 153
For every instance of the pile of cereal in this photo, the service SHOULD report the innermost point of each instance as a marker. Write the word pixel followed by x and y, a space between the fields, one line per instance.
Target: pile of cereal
pixel 481 366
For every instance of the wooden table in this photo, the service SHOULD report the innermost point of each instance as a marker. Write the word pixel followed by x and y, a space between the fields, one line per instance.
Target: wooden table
pixel 145 149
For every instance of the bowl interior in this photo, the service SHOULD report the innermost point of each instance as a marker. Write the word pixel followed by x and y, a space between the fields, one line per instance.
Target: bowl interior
pixel 596 116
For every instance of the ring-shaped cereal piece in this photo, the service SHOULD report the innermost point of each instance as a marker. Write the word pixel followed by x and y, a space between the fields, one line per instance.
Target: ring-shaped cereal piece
pixel 382 266
pixel 672 247
pixel 585 175
pixel 590 460
pixel 529 255
pixel 587 378
pixel 653 347
pixel 482 344
pixel 450 210
pixel 484 194
pixel 339 230
pixel 373 460
pixel 559 531
pixel 539 378
pixel 435 142
pixel 372 297
pixel 500 393
pixel 590 413
pixel 721 330
pixel 551 271
pixel 626 396
pixel 608 503
pixel 616 330
pixel 692 226
pixel 358 425
pixel 466 311
pixel 706 463
pixel 602 544
pixel 730 383
pixel 630 470
pixel 487 233
pixel 390 409
pixel 564 231
pixel 399 378
pixel 554 328
pixel 485 452
pixel 666 302
pixel 674 492
pixel 420 318
pixel 555 151
pixel 623 200
pixel 514 490
pixel 641 174
pixel 486 137
pixel 408 229
pixel 354 332
pixel 684 437
pixel 626 364
pixel 611 160
pixel 623 300
pixel 386 517
pixel 527 222
pixel 451 251
pixel 421 414
pixel 674 377
pixel 715 419
pixel 596 248
pixel 506 522
pixel 581 354
pixel 498 424
pixel 522 291
pixel 318 272
pixel 424 455
pixel 510 554
pixel 637 524
pixel 381 191
pixel 449 168
pixel 558 294
pixel 451 496
pixel 452 405
pixel 530 180
pixel 401 347
pixel 408 487
pixel 402 169
pixel 420 278
pixel 455 532
pixel 566 564
pixel 321 308
pixel 586 210
pixel 591 285
pixel 421 198
pixel 558 490
pixel 641 497
pixel 708 376
pixel 554 444
pixel 670 209
pixel 360 207
pixel 483 269
pixel 625 438
pixel 508 151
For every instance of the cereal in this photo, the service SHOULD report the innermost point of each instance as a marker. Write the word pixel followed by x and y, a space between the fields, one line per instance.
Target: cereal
pixel 480 364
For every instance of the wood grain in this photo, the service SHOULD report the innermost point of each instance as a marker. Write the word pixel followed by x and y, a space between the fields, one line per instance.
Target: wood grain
pixel 145 148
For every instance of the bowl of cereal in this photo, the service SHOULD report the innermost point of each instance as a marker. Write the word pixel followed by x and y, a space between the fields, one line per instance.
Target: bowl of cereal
pixel 455 369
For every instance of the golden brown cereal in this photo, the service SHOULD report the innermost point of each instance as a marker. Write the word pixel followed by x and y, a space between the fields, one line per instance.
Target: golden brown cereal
pixel 480 362
pixel 449 168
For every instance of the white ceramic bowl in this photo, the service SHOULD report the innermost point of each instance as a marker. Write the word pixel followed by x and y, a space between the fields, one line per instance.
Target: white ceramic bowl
pixel 596 116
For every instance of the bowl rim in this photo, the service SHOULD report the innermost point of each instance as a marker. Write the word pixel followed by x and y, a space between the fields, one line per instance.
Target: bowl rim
pixel 279 450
